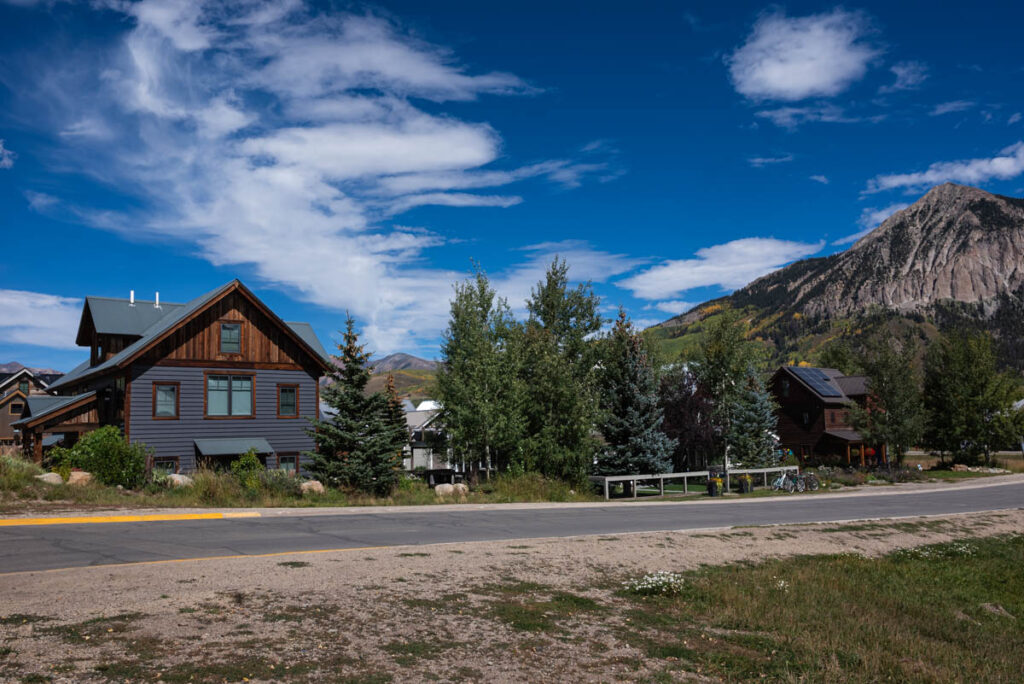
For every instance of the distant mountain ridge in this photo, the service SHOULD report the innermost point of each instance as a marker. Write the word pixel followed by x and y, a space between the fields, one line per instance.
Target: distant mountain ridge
pixel 401 361
pixel 14 367
pixel 954 257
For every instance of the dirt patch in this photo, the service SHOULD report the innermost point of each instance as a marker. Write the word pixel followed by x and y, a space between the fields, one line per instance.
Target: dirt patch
pixel 545 610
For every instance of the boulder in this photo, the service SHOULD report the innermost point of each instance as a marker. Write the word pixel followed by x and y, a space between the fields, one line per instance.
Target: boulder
pixel 443 491
pixel 960 468
pixel 79 477
pixel 50 478
pixel 175 480
pixel 313 487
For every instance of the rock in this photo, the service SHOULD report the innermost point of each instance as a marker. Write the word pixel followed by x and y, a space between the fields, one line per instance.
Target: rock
pixel 79 477
pixel 443 491
pixel 313 487
pixel 50 478
pixel 461 489
pixel 960 468
pixel 176 480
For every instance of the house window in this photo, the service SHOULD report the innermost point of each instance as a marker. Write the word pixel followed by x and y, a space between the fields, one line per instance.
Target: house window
pixel 785 387
pixel 287 401
pixel 23 386
pixel 287 462
pixel 230 338
pixel 807 419
pixel 166 396
pixel 228 396
pixel 167 466
pixel 16 408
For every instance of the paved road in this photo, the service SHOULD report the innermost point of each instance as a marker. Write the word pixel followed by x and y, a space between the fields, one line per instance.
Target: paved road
pixel 63 546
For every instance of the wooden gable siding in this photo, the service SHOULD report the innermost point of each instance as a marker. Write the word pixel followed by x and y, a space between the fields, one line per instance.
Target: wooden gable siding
pixel 80 419
pixel 264 344
pixel 6 431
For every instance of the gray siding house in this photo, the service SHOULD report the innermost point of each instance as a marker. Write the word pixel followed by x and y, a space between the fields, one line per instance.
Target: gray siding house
pixel 198 383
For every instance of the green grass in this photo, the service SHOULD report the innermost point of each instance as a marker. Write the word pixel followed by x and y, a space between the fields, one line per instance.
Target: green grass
pixel 947 612
pixel 520 606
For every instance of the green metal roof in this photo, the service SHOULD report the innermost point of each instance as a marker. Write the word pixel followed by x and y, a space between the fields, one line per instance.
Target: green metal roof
pixel 120 317
pixel 39 406
pixel 232 446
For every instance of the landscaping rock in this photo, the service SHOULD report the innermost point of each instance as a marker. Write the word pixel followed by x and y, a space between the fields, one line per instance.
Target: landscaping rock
pixel 313 487
pixel 176 480
pixel 50 478
pixel 960 468
pixel 79 477
pixel 443 491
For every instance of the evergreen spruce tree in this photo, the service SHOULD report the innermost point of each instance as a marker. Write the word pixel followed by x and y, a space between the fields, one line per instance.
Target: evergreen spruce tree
pixel 752 439
pixel 631 419
pixel 355 446
pixel 688 410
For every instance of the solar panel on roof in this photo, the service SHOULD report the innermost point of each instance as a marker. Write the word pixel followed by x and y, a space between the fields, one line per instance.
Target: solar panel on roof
pixel 817 381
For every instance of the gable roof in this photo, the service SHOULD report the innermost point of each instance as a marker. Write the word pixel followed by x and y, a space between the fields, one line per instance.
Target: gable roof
pixel 826 384
pixel 11 396
pixel 42 406
pixel 177 315
pixel 113 316
pixel 16 376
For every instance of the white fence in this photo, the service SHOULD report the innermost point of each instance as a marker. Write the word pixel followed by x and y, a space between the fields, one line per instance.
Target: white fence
pixel 606 480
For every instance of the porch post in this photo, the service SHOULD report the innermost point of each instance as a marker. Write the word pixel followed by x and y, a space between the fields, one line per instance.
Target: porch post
pixel 37 448
pixel 862 454
pixel 847 453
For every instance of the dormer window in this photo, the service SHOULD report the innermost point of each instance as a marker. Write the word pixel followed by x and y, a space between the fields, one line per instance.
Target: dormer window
pixel 23 386
pixel 785 387
pixel 230 338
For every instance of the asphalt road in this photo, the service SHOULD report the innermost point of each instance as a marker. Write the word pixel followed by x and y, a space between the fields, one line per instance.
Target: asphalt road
pixel 64 546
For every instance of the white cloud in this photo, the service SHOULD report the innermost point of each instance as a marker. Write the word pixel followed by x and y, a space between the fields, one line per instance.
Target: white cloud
pixel 40 201
pixel 276 138
pixel 6 156
pixel 729 266
pixel 871 218
pixel 758 162
pixel 909 76
pixel 37 319
pixel 793 58
pixel 791 117
pixel 1014 118
pixel 950 107
pixel 1009 163
pixel 674 306
pixel 820 179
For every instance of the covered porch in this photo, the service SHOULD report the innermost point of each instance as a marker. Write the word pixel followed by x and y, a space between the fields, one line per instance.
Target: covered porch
pixel 46 417
pixel 852 449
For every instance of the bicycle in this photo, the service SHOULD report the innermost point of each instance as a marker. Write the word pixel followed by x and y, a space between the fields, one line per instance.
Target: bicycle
pixel 784 481
pixel 800 482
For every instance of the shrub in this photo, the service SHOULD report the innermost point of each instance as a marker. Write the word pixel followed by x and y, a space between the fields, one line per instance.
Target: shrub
pixel 248 468
pixel 280 483
pixel 213 488
pixel 108 456
pixel 530 487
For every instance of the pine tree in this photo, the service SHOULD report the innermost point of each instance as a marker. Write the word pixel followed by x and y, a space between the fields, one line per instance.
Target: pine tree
pixel 752 439
pixel 687 409
pixel 631 418
pixel 355 446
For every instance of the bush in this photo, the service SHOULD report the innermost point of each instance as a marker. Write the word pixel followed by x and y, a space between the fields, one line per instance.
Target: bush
pixel 213 488
pixel 108 456
pixel 248 468
pixel 529 487
pixel 280 483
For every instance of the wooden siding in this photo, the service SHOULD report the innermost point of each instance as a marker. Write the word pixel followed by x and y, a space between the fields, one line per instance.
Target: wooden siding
pixel 6 431
pixel 174 438
pixel 264 344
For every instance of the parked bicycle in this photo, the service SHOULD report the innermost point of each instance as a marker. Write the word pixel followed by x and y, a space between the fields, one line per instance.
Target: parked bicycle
pixel 796 482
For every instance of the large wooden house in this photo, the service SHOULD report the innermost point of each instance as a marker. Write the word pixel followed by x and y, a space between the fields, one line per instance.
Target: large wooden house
pixel 198 383
pixel 814 416
pixel 15 389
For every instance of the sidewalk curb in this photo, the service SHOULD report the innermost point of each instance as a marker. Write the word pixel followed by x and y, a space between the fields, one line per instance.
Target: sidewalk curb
pixel 104 519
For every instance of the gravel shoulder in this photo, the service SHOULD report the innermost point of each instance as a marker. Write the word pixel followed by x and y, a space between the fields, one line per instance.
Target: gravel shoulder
pixel 423 613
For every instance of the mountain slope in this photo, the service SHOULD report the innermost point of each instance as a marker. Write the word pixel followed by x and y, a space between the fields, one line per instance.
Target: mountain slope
pixel 955 257
pixel 400 361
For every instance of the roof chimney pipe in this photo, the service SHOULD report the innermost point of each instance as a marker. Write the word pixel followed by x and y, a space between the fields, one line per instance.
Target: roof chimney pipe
pixel 156 302
pixel 131 298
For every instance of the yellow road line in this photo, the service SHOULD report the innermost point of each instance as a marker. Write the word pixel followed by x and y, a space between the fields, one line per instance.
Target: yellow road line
pixel 89 519
pixel 192 560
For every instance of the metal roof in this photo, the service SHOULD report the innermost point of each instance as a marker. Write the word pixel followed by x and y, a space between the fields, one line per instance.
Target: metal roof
pixel 112 316
pixel 853 385
pixel 845 435
pixel 172 316
pixel 40 406
pixel 232 446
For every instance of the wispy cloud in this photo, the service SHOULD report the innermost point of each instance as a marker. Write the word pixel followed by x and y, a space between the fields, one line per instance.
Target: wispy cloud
pixel 6 156
pixel 1014 118
pixel 758 162
pixel 793 58
pixel 38 319
pixel 729 266
pixel 820 179
pixel 792 117
pixel 273 137
pixel 871 218
pixel 909 76
pixel 950 107
pixel 1009 163
pixel 673 306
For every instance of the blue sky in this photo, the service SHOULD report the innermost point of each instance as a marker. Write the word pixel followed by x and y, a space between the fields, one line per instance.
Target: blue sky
pixel 358 156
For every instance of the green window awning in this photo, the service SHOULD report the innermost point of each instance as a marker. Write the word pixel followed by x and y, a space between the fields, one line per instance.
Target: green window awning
pixel 232 446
